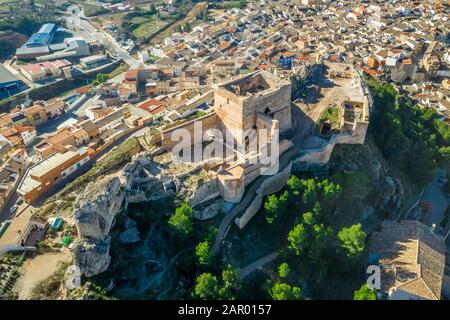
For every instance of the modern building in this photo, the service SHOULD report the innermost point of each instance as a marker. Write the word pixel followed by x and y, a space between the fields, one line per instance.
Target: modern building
pixel 15 233
pixel 43 70
pixel 41 177
pixel 8 82
pixel 93 61
pixel 43 37
pixel 38 44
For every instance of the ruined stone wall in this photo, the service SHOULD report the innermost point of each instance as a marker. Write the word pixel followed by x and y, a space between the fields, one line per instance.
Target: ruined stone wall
pixel 207 191
pixel 269 186
pixel 323 154
pixel 207 122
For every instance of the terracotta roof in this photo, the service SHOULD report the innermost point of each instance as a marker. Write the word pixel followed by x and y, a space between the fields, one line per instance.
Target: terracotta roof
pixel 83 89
pixel 413 258
pixel 131 74
pixel 153 106
pixel 32 110
pixel 63 136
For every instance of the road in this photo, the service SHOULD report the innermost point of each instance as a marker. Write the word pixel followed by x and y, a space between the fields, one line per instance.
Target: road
pixel 78 21
pixel 438 202
pixel 244 272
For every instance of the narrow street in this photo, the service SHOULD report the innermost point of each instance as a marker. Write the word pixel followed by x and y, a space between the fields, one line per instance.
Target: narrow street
pixel 77 20
pixel 438 202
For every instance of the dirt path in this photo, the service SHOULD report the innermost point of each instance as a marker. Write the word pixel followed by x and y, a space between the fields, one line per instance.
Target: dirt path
pixel 37 269
pixel 257 264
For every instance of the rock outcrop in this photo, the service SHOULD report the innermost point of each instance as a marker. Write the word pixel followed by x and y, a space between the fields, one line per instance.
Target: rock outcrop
pixel 209 210
pixel 92 256
pixel 95 210
pixel 131 233
pixel 146 178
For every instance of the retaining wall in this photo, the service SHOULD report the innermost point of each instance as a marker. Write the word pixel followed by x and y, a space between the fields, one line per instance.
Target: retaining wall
pixel 269 186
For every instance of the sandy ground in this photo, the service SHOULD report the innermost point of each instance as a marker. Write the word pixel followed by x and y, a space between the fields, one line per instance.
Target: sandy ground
pixel 37 269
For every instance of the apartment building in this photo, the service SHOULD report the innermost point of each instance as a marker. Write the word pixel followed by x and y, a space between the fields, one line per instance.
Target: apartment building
pixel 43 70
pixel 41 177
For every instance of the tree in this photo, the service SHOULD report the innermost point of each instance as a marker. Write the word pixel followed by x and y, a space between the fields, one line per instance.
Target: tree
pixel 205 15
pixel 187 27
pixel 283 270
pixel 297 238
pixel 202 251
pixel 230 277
pixel 230 282
pixel 308 218
pixel 207 286
pixel 152 9
pixel 309 196
pixel 365 293
pixel 182 220
pixel 284 291
pixel 295 185
pixel 320 236
pixel 331 192
pixel 100 78
pixel 275 207
pixel 444 154
pixel 353 241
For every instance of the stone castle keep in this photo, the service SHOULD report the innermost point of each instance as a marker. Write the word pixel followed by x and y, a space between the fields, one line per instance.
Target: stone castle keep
pixel 258 102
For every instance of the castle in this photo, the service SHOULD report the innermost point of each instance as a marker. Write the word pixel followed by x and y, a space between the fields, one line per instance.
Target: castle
pixel 255 110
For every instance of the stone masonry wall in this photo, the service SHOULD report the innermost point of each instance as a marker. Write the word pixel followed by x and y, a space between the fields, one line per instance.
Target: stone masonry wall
pixel 207 122
pixel 269 186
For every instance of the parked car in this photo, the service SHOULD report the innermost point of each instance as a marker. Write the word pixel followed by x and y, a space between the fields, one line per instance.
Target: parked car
pixel 13 209
pixel 19 202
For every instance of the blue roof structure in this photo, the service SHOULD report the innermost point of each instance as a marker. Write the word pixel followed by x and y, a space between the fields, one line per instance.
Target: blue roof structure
pixel 42 37
pixel 8 81
pixel 47 28
pixel 38 40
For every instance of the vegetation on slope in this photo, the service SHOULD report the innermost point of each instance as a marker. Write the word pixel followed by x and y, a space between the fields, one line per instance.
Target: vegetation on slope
pixel 26 17
pixel 412 139
pixel 109 162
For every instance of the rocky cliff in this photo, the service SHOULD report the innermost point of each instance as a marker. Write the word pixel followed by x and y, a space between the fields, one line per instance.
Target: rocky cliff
pixel 95 210
pixel 146 178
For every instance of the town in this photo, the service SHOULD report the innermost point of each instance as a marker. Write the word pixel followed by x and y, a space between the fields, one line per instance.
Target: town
pixel 354 95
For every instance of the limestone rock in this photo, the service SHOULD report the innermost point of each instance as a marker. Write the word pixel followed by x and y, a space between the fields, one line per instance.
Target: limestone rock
pixel 96 208
pixel 130 223
pixel 130 235
pixel 92 256
pixel 202 192
pixel 209 211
